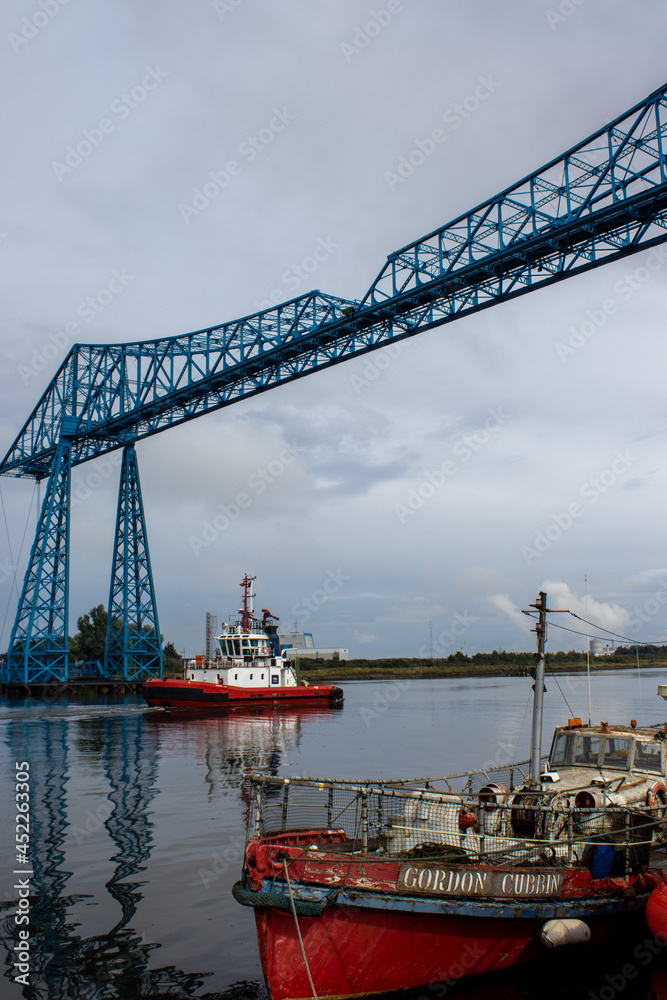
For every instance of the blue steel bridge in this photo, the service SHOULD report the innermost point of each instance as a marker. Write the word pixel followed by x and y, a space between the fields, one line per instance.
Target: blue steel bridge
pixel 600 201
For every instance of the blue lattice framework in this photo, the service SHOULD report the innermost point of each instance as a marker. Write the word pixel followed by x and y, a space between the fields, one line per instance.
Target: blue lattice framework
pixel 39 643
pixel 133 647
pixel 601 201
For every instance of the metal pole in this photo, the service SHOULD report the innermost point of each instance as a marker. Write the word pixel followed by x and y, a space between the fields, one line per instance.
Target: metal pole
pixel 570 833
pixel 285 802
pixel 364 821
pixel 481 824
pixel 536 739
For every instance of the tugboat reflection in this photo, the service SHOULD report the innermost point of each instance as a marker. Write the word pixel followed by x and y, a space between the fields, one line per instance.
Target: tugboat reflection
pixel 244 739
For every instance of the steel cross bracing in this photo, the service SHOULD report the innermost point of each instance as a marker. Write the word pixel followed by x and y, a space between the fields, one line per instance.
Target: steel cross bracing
pixel 39 643
pixel 602 200
pixel 133 648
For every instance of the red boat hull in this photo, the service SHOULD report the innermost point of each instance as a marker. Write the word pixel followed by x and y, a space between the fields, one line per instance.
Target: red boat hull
pixel 362 952
pixel 367 929
pixel 202 694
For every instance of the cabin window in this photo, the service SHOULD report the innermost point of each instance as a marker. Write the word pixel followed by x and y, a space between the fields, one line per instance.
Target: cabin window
pixel 250 676
pixel 262 677
pixel 253 643
pixel 587 750
pixel 275 679
pixel 236 677
pixel 562 748
pixel 237 647
pixel 648 757
pixel 616 752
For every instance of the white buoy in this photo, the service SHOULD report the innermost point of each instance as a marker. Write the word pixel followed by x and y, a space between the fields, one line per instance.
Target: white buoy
pixel 559 933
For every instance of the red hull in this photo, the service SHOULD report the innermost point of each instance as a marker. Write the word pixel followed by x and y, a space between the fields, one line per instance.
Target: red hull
pixel 201 694
pixel 373 937
pixel 361 952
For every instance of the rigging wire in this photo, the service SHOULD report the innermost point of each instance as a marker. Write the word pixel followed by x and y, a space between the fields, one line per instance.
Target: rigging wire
pixel 20 552
pixel 588 649
pixel 516 749
pixel 633 642
pixel 570 709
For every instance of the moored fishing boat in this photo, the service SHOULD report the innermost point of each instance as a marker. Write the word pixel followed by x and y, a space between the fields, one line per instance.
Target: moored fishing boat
pixel 376 886
pixel 247 669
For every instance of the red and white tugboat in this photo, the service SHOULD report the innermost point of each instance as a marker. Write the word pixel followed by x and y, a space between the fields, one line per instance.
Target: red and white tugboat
pixel 247 669
pixel 368 887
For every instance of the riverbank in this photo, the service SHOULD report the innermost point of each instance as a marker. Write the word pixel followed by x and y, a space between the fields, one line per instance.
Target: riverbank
pixel 316 671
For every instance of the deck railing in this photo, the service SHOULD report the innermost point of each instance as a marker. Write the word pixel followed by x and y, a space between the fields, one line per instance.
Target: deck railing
pixel 395 820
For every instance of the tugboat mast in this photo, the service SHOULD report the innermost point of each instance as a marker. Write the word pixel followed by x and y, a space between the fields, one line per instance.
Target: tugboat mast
pixel 246 610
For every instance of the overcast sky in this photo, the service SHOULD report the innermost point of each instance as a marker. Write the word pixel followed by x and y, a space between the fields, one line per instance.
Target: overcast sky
pixel 117 114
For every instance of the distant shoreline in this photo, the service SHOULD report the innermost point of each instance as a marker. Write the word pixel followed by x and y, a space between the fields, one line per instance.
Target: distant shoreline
pixel 316 671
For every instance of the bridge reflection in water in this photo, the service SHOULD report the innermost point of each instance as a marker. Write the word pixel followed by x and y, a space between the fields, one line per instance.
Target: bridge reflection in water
pixel 63 963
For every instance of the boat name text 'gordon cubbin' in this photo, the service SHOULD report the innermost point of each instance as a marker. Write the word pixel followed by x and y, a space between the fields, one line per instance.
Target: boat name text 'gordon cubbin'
pixel 475 882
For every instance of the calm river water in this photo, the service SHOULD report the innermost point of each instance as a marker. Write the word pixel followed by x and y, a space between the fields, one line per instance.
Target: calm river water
pixel 138 818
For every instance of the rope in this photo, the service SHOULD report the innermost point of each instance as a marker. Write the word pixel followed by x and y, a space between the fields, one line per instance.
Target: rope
pixel 298 929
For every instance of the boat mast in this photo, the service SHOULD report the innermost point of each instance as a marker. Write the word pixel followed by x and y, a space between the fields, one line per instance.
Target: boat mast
pixel 536 740
pixel 246 610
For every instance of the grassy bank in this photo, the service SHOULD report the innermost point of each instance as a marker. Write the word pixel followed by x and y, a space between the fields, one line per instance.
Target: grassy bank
pixel 502 666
